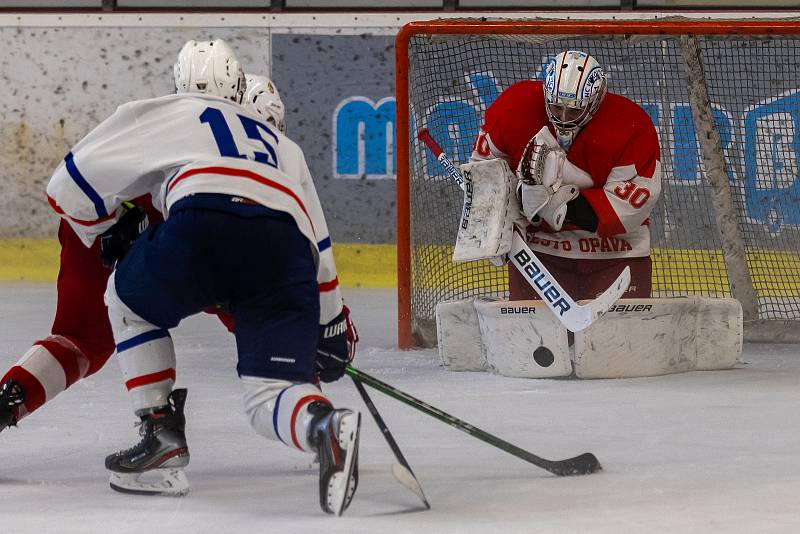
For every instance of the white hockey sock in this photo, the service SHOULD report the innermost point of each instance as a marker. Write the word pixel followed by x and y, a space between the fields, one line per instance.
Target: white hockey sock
pixel 277 409
pixel 145 354
pixel 147 361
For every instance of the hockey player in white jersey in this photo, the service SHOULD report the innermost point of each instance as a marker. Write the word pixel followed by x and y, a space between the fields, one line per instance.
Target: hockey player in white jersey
pixel 80 341
pixel 244 229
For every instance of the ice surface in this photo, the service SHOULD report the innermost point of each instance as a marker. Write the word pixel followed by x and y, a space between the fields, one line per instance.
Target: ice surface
pixel 698 452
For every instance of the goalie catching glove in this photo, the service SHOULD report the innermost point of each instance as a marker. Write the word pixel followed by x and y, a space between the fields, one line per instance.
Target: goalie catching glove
pixel 542 172
pixel 337 346
pixel 118 240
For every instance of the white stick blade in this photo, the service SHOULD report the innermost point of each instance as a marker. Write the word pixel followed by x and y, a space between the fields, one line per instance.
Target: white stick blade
pixel 601 304
pixel 405 477
pixel 583 316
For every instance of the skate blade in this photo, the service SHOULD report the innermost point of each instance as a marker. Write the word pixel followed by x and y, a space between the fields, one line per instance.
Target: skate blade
pixel 341 487
pixel 172 483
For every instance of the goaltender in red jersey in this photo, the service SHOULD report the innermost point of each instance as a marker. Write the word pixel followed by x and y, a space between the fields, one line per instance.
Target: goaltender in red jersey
pixel 598 153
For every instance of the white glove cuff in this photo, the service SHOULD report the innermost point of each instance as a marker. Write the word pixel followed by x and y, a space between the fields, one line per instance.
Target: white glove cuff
pixel 555 211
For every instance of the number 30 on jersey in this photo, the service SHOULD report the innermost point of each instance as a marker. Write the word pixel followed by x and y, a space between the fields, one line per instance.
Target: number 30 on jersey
pixel 636 196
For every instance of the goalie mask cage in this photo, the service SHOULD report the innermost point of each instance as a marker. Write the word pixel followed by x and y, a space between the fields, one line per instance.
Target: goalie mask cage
pixel 724 96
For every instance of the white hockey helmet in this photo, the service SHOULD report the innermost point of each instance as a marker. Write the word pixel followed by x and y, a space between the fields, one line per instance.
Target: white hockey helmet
pixel 574 87
pixel 209 67
pixel 262 98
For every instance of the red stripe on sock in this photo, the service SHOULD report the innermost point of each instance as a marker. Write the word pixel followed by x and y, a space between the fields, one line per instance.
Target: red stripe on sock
pixel 34 391
pixel 66 357
pixel 297 407
pixel 152 378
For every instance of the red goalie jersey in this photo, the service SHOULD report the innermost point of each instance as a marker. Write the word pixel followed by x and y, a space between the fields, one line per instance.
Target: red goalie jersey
pixel 618 170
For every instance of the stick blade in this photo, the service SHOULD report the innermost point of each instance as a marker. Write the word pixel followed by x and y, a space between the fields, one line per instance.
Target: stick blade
pixel 601 304
pixel 405 477
pixel 584 464
pixel 581 317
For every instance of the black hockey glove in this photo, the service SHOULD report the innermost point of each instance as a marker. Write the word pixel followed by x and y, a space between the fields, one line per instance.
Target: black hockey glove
pixel 337 347
pixel 118 240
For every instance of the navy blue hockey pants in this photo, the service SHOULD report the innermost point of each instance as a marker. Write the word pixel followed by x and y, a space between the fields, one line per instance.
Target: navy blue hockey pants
pixel 220 250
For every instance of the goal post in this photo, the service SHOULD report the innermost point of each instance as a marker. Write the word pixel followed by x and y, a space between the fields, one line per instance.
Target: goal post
pixel 724 96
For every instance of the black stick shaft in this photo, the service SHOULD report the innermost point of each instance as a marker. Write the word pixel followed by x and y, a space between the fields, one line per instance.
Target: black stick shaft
pixel 382 425
pixel 583 464
pixel 414 485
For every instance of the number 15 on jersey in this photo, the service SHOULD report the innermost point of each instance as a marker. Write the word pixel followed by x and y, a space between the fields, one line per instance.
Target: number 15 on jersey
pixel 252 128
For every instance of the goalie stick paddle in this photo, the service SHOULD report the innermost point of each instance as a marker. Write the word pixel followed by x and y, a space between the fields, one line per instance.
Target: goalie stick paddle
pixel 402 470
pixel 572 315
pixel 583 464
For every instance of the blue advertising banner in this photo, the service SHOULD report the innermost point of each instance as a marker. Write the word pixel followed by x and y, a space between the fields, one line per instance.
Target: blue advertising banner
pixel 340 107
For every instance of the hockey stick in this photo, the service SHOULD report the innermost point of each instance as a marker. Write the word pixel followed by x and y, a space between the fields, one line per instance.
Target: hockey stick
pixel 401 471
pixel 580 465
pixel 572 315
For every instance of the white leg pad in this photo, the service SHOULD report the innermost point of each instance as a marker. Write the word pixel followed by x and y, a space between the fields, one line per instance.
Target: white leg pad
pixel 720 333
pixel 523 339
pixel 459 335
pixel 650 337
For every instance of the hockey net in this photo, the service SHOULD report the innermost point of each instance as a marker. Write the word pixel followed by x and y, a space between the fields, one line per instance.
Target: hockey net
pixel 725 99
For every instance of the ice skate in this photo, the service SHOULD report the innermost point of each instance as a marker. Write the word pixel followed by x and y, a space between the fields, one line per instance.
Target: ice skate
pixel 162 453
pixel 334 435
pixel 11 396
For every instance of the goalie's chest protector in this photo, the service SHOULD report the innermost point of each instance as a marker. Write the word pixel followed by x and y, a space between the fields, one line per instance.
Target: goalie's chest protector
pixel 617 136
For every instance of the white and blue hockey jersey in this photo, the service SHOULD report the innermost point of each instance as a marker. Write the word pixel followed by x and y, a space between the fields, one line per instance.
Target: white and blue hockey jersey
pixel 177 145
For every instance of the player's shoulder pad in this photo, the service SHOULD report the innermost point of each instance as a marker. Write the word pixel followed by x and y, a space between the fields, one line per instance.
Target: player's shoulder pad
pixel 525 88
pixel 188 99
pixel 621 106
pixel 521 93
pixel 286 143
pixel 515 99
pixel 155 104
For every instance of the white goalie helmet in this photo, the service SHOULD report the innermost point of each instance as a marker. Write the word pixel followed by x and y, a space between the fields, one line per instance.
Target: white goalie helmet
pixel 209 67
pixel 574 88
pixel 263 99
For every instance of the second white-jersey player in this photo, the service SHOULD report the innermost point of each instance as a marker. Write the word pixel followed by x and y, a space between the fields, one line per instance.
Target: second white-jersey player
pixel 262 98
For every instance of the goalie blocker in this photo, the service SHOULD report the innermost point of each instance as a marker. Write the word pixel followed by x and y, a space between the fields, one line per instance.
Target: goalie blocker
pixel 491 208
pixel 636 338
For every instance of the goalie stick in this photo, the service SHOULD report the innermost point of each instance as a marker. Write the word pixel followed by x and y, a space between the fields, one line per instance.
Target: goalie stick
pixel 572 315
pixel 583 464
pixel 402 470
